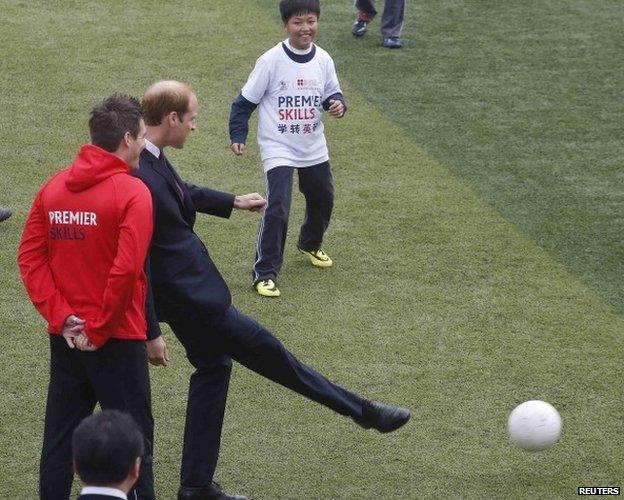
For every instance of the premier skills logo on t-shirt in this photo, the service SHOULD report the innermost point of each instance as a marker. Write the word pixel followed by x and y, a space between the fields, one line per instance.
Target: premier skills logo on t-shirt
pixel 298 107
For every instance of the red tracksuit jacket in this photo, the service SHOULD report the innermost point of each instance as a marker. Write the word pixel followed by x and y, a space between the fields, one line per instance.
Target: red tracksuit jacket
pixel 84 246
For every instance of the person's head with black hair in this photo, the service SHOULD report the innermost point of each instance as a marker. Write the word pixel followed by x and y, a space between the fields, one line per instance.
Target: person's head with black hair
pixel 107 450
pixel 300 19
pixel 290 8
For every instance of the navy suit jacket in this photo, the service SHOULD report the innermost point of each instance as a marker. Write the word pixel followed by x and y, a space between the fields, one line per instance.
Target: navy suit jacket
pixel 183 278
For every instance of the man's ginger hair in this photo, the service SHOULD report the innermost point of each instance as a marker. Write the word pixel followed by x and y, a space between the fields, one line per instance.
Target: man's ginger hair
pixel 164 97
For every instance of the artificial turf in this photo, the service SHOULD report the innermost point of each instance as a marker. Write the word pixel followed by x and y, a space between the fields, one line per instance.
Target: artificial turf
pixel 476 235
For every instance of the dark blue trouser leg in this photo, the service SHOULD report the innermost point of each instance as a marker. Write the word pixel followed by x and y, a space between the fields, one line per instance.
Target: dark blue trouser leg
pixel 210 345
pixel 208 388
pixel 205 410
pixel 256 348
pixel 316 185
pixel 274 224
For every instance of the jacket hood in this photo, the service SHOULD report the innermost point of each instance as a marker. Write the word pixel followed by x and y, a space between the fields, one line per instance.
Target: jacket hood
pixel 93 165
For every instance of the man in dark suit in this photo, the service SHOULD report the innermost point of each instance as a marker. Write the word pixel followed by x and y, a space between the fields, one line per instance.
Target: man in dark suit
pixel 191 296
pixel 107 449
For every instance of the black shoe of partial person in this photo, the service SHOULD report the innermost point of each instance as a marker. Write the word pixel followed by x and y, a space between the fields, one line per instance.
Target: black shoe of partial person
pixel 392 42
pixel 5 213
pixel 384 418
pixel 212 492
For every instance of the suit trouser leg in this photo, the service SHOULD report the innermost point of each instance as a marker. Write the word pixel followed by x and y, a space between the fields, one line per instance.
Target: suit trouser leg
pixel 70 399
pixel 392 18
pixel 274 224
pixel 316 185
pixel 119 374
pixel 209 344
pixel 255 347
pixel 205 409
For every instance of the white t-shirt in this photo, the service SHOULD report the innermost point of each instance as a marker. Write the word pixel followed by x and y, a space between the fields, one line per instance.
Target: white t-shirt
pixel 289 96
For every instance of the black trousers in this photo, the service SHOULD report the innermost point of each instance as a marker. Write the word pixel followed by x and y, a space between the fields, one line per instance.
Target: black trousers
pixel 211 344
pixel 116 376
pixel 316 185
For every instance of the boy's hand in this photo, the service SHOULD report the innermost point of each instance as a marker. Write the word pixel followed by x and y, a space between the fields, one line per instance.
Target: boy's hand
pixel 238 148
pixel 336 108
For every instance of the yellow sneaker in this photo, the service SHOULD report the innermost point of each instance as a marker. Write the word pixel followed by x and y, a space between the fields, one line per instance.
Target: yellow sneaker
pixel 318 258
pixel 267 288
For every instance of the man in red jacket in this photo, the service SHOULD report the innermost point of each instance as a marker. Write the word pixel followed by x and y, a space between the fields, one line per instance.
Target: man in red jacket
pixel 82 258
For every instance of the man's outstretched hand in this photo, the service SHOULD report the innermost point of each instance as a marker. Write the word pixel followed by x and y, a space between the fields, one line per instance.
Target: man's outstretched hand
pixel 252 202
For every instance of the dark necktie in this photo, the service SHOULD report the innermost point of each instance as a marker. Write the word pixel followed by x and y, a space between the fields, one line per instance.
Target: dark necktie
pixel 174 176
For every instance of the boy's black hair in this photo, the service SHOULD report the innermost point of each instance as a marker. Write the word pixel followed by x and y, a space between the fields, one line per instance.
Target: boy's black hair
pixel 112 118
pixel 290 8
pixel 105 447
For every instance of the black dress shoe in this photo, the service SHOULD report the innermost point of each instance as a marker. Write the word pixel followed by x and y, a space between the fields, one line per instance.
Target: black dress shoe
pixel 212 492
pixel 384 418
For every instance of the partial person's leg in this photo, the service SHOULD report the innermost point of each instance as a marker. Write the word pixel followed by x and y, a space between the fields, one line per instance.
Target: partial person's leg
pixel 316 185
pixel 392 18
pixel 365 14
pixel 252 345
pixel 70 399
pixel 205 409
pixel 274 224
pixel 119 372
pixel 367 7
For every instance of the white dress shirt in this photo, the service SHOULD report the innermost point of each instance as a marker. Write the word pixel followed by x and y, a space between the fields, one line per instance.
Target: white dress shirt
pixel 101 490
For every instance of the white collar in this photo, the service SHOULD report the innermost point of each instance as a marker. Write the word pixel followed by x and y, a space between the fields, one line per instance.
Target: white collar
pixel 298 51
pixel 102 490
pixel 152 148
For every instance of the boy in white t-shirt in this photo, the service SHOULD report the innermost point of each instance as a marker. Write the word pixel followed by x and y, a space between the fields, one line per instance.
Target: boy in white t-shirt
pixel 292 84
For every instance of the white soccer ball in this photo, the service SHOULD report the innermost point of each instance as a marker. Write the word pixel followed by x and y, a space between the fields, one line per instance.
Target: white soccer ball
pixel 534 425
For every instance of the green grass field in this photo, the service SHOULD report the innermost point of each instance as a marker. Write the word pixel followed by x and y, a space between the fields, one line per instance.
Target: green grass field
pixel 477 237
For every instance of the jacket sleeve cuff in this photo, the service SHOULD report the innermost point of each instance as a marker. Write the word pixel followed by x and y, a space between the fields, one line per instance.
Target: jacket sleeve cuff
pixel 96 338
pixel 57 323
pixel 153 330
pixel 335 97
